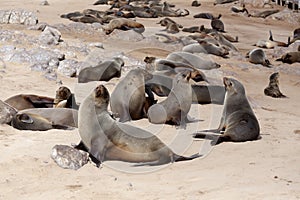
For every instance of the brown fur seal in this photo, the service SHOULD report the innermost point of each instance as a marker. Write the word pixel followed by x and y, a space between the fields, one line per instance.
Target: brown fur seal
pixel 217 24
pixel 128 98
pixel 64 98
pixel 106 139
pixel 124 24
pixel 290 57
pixel 204 16
pixel 258 56
pixel 171 25
pixel 24 101
pixel 264 14
pixel 238 122
pixel 296 35
pixel 206 94
pixel 278 43
pixel 65 117
pixel 239 9
pixel 174 109
pixel 196 3
pixel 102 72
pixel 207 48
pixel 197 61
pixel 273 88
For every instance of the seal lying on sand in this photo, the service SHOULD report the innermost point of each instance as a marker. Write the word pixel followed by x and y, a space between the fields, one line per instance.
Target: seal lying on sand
pixel 24 101
pixel 290 57
pixel 258 56
pixel 106 139
pixel 124 24
pixel 102 72
pixel 174 109
pixel 273 88
pixel 238 121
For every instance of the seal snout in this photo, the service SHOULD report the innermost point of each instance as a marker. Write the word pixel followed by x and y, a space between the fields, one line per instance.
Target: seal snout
pixel 101 91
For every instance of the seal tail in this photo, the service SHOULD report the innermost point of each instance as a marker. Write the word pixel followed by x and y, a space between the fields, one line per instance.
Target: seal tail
pixel 178 158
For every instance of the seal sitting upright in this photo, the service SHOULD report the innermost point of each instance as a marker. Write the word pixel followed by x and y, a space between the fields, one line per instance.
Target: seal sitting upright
pixel 106 139
pixel 238 122
pixel 273 88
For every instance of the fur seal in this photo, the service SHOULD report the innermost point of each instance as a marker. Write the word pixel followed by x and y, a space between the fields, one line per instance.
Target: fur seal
pixel 106 139
pixel 223 1
pixel 24 101
pixel 206 94
pixel 290 57
pixel 217 24
pixel 239 9
pixel 197 61
pixel 128 98
pixel 258 56
pixel 102 72
pixel 65 117
pixel 64 98
pixel 196 3
pixel 34 122
pixel 174 109
pixel 204 16
pixel 296 35
pixel 123 24
pixel 238 121
pixel 273 88
pixel 171 25
pixel 264 14
pixel 207 48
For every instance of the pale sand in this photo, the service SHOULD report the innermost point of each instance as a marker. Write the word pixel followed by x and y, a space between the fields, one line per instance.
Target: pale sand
pixel 263 169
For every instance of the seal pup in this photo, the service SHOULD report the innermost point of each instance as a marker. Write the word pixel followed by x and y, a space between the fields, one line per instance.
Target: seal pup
pixel 102 72
pixel 207 48
pixel 106 139
pixel 258 56
pixel 128 98
pixel 290 57
pixel 24 101
pixel 174 109
pixel 123 24
pixel 171 25
pixel 238 122
pixel 272 89
pixel 239 9
pixel 64 98
pixel 217 24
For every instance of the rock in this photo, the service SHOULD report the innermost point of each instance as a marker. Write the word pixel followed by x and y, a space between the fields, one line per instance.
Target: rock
pixel 50 36
pixel 71 67
pixel 129 35
pixel 68 157
pixel 39 67
pixel 38 27
pixel 6 113
pixel 51 75
pixel 4 16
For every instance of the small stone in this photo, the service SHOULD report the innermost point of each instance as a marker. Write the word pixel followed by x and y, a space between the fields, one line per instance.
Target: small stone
pixel 44 3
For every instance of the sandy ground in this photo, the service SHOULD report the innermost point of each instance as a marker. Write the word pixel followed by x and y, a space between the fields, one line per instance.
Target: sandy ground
pixel 264 169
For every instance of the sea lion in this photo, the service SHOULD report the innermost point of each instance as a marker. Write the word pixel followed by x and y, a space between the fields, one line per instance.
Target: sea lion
pixel 258 56
pixel 278 43
pixel 264 14
pixel 106 139
pixel 217 24
pixel 64 98
pixel 65 117
pixel 171 25
pixel 102 72
pixel 128 98
pixel 174 109
pixel 238 121
pixel 239 9
pixel 273 88
pixel 34 122
pixel 123 24
pixel 290 57
pixel 196 3
pixel 223 1
pixel 24 101
pixel 206 94
pixel 197 61
pixel 296 35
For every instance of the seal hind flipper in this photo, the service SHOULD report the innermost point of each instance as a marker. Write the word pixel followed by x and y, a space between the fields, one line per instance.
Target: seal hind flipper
pixel 178 158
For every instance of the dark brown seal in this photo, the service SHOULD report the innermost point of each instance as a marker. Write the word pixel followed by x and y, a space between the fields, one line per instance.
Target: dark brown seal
pixel 273 88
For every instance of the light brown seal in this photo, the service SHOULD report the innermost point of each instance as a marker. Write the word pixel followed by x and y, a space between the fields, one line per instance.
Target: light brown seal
pixel 174 109
pixel 272 89
pixel 102 72
pixel 290 57
pixel 106 139
pixel 238 121
pixel 128 98
pixel 64 98
pixel 25 101
pixel 124 24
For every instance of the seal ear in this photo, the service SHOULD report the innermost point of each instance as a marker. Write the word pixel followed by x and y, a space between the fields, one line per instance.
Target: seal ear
pixel 25 118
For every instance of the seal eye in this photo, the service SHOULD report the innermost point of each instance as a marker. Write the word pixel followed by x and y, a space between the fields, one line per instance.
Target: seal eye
pixel 230 84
